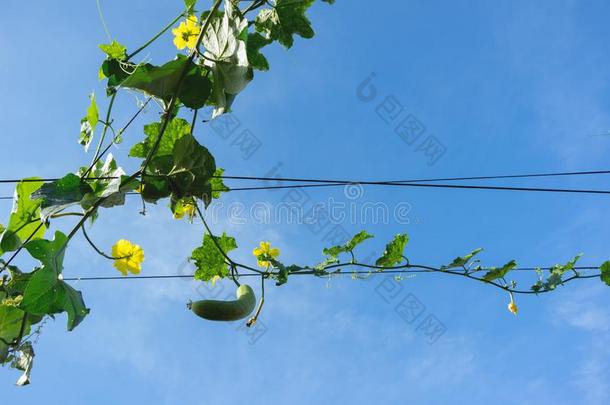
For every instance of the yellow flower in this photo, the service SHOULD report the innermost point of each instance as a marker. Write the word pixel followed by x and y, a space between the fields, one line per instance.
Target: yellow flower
pixel 266 251
pixel 185 207
pixel 512 307
pixel 129 257
pixel 185 35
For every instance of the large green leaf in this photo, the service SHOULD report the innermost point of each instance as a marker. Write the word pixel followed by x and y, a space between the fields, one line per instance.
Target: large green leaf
pixel 45 293
pixel 42 292
pixel 50 253
pixel 116 72
pixel 176 129
pixel 11 319
pixel 48 295
pixel 180 167
pixel 284 20
pixel 208 260
pixel 254 45
pixel 394 250
pixel 60 194
pixel 162 81
pixel 24 221
pixel 227 56
pixel 107 184
pixel 193 169
pixel 71 301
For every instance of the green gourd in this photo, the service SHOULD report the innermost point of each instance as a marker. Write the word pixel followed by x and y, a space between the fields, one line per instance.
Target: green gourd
pixel 214 310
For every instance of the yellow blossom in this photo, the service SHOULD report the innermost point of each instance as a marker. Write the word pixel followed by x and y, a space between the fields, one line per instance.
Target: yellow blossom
pixel 512 307
pixel 185 207
pixel 129 257
pixel 214 280
pixel 185 35
pixel 266 251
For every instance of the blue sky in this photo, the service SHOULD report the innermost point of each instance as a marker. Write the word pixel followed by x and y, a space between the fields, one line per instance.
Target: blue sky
pixel 506 86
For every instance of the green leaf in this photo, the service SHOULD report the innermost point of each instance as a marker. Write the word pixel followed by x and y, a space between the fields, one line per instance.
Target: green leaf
pixel 195 89
pixel 358 239
pixel 24 219
pixel 60 194
pixel 555 276
pixel 462 260
pixel 116 72
pixel 41 293
pixel 254 44
pixel 109 177
pixel 495 273
pixel 283 21
pixel 189 4
pixel 88 123
pixel 226 50
pixel 114 50
pixel 193 168
pixel 46 293
pixel 605 275
pixel 348 246
pixel 216 183
pixel 209 260
pixel 71 301
pixel 18 281
pixel 394 250
pixel 176 129
pixel 162 81
pixel 11 319
pixel 49 252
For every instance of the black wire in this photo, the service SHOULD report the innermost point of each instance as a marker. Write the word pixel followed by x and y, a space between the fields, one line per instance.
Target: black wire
pixel 301 180
pixel 301 273
pixel 394 184
pixel 3 181
pixel 463 186
pixel 510 176
pixel 403 183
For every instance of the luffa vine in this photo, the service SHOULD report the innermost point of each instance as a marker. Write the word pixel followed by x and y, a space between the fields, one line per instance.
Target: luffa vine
pixel 222 51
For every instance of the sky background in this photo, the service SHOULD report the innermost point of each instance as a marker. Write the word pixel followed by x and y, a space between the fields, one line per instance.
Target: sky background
pixel 506 86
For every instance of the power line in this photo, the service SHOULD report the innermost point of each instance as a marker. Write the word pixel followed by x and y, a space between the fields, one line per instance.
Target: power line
pixel 47 180
pixel 451 186
pixel 302 273
pixel 304 180
pixel 429 180
pixel 404 184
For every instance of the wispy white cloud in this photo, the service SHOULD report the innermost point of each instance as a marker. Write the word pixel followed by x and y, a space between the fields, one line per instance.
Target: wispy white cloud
pixel 586 309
